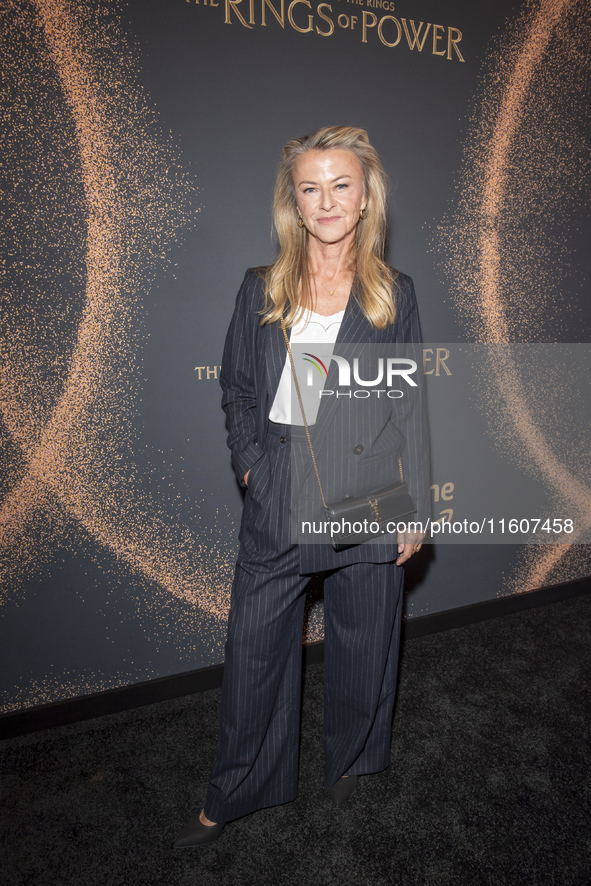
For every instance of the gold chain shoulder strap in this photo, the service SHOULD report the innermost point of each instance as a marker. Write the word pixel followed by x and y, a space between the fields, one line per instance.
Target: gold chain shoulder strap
pixel 297 387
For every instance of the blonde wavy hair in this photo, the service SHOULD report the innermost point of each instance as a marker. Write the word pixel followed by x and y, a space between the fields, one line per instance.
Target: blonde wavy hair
pixel 287 280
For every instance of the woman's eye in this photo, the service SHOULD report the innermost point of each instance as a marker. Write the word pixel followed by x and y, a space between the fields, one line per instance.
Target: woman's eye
pixel 342 187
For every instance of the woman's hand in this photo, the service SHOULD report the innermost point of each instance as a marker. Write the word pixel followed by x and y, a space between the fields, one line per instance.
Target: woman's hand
pixel 245 478
pixel 409 543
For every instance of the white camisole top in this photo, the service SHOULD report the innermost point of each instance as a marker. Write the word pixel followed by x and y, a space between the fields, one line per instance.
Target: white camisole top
pixel 311 329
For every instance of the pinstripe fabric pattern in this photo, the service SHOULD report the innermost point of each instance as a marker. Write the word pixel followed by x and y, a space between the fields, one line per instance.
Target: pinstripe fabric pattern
pixel 362 618
pixel 256 758
pixel 252 364
pixel 358 454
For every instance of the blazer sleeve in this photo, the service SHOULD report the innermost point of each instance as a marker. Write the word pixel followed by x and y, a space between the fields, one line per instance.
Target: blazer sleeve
pixel 238 377
pixel 413 422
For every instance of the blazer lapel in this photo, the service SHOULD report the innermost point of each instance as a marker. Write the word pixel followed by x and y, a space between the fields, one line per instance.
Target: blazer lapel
pixel 272 348
pixel 276 354
pixel 354 335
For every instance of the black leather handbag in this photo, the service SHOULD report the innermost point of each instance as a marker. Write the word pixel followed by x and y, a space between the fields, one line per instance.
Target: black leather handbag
pixel 368 516
pixel 355 520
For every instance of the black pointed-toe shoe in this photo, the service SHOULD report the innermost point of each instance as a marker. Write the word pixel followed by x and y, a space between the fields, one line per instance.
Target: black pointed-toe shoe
pixel 197 834
pixel 340 792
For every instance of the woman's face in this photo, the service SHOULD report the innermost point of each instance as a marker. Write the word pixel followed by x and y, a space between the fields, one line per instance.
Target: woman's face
pixel 329 193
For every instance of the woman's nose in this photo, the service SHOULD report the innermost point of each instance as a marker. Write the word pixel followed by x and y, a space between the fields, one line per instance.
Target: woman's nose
pixel 326 201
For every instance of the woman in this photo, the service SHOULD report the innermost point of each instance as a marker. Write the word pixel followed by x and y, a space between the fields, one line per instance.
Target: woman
pixel 329 286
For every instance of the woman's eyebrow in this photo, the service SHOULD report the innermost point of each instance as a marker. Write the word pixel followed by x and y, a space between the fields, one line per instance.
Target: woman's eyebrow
pixel 306 182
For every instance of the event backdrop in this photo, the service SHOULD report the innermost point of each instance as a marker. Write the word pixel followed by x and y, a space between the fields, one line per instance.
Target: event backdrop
pixel 140 142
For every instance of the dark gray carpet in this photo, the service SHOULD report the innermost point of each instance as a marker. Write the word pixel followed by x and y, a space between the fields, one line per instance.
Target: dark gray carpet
pixel 489 782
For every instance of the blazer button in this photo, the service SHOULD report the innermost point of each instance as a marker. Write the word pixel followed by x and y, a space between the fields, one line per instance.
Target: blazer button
pixel 358 449
pixel 282 439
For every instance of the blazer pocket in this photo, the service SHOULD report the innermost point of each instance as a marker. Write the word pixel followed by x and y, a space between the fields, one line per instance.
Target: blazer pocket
pixel 379 456
pixel 256 474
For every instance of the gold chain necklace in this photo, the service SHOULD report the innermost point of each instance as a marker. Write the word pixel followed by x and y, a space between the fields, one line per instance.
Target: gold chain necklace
pixel 330 291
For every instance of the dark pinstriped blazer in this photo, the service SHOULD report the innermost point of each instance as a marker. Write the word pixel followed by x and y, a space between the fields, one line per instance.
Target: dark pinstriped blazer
pixel 356 448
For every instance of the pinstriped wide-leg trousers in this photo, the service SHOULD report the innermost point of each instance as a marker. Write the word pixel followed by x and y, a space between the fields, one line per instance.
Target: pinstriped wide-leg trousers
pixel 256 761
